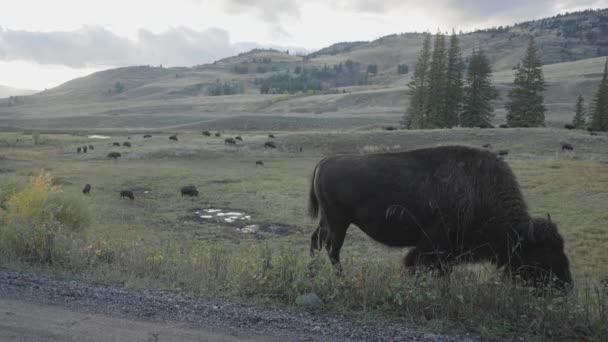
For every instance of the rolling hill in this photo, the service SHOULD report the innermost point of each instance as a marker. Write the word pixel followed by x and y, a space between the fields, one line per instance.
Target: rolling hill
pixel 154 97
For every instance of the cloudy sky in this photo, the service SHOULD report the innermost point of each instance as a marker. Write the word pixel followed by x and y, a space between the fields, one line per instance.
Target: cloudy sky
pixel 44 43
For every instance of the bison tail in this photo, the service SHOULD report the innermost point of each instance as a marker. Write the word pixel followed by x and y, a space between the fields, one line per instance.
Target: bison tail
pixel 313 202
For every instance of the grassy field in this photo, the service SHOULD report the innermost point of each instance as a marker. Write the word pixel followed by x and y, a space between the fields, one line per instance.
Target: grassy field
pixel 158 240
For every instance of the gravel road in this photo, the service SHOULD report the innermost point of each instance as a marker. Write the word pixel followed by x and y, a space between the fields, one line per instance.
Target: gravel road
pixel 138 309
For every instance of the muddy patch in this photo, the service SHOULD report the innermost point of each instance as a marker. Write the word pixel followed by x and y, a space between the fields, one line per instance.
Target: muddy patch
pixel 223 181
pixel 241 222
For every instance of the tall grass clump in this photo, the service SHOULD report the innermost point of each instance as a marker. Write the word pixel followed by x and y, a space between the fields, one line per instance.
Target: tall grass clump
pixel 37 221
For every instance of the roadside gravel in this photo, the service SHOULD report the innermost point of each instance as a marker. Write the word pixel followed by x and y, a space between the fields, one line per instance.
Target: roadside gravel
pixel 157 305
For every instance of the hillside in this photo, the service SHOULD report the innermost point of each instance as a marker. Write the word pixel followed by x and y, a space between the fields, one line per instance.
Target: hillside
pixel 569 45
pixel 9 91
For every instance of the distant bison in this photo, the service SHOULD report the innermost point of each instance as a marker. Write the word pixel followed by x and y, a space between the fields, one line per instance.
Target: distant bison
pixel 485 125
pixel 389 128
pixel 453 204
pixel 271 136
pixel 127 193
pixel 91 147
pixel 270 144
pixel 189 190
pixel 503 152
pixel 567 147
pixel 217 134
pixel 173 137
pixel 207 133
pixel 487 145
pixel 78 149
pixel 238 137
pixel 114 155
pixel 115 143
pixel 569 126
pixel 126 144
pixel 259 162
pixel 84 149
pixel 147 135
pixel 229 141
pixel 87 189
pixel 504 126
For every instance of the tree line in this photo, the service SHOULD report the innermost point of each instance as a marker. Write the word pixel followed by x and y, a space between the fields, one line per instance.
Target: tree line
pixel 447 91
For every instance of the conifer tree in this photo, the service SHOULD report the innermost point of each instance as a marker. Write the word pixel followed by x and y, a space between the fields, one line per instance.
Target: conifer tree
pixel 479 92
pixel 437 84
pixel 454 83
pixel 599 115
pixel 579 115
pixel 525 107
pixel 416 112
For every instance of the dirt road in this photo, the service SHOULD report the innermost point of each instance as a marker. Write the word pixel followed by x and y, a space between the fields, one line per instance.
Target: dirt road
pixel 37 307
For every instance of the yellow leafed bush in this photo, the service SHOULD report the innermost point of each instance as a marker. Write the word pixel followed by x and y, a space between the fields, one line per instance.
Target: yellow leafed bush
pixel 29 202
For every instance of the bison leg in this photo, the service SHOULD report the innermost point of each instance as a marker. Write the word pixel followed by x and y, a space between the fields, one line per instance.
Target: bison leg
pixel 317 240
pixel 330 233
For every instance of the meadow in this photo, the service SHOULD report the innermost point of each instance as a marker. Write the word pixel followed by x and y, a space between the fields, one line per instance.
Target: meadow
pixel 159 240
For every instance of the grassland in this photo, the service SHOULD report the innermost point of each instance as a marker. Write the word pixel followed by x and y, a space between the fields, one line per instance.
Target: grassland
pixel 158 241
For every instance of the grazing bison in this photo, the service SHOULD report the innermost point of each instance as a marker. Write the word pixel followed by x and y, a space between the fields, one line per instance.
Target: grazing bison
pixel 147 135
pixel 569 126
pixel 207 133
pixel 78 149
pixel 173 137
pixel 567 147
pixel 238 137
pixel 389 128
pixel 217 134
pixel 452 204
pixel 114 155
pixel 84 149
pixel 487 145
pixel 127 193
pixel 504 126
pixel 91 147
pixel 259 162
pixel 503 153
pixel 87 189
pixel 271 136
pixel 115 143
pixel 270 144
pixel 229 141
pixel 126 143
pixel 189 190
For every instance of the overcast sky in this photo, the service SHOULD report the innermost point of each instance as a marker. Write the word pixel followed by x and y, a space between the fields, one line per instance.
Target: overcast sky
pixel 44 43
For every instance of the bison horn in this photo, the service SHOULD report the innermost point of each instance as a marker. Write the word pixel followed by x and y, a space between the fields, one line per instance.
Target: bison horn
pixel 531 231
pixel 549 217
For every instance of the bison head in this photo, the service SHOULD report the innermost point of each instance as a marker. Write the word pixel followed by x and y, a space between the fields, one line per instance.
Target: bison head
pixel 540 259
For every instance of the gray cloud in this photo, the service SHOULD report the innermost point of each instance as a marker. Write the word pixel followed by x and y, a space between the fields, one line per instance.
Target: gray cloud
pixel 96 46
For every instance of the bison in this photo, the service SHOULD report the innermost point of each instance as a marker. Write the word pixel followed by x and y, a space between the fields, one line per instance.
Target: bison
pixel 567 147
pixel 503 126
pixel 271 136
pixel 87 189
pixel 207 133
pixel 503 153
pixel 239 138
pixel 453 204
pixel 91 147
pixel 114 155
pixel 229 141
pixel 173 137
pixel 127 194
pixel 189 190
pixel 78 149
pixel 270 144
pixel 147 135
pixel 259 162
pixel 115 143
pixel 569 126
pixel 487 146
pixel 218 134
pixel 126 144
pixel 84 148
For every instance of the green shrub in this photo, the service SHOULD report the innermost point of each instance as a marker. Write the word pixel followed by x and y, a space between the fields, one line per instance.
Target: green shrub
pixel 69 211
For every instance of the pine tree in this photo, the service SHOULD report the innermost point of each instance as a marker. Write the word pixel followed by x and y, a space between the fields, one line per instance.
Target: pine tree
pixel 416 112
pixel 599 115
pixel 454 83
pixel 437 84
pixel 479 92
pixel 525 107
pixel 579 115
